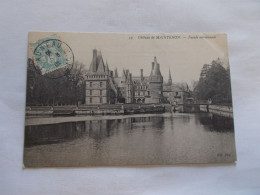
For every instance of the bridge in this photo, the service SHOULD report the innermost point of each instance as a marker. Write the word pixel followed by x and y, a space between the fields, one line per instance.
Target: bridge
pixel 199 102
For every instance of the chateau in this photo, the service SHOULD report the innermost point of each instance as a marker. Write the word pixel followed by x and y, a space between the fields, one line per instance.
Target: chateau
pixel 104 86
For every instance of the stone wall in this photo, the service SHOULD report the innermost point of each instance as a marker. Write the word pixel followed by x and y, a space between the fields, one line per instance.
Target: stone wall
pixel 218 109
pixel 96 92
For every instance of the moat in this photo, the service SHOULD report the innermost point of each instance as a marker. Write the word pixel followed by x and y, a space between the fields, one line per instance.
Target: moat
pixel 140 139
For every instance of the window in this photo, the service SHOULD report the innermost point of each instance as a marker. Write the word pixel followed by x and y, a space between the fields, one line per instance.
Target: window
pixel 101 100
pixel 143 92
pixel 100 92
pixel 90 92
pixel 90 100
pixel 90 84
pixel 100 84
pixel 148 92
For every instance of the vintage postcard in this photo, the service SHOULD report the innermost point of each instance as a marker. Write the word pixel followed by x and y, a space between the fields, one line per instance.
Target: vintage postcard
pixel 110 99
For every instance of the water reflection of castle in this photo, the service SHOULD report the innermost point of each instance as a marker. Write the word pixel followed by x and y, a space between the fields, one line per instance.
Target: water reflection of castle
pixel 104 86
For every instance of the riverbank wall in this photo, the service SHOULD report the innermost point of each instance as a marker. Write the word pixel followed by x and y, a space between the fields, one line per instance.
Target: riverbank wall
pixel 226 111
pixel 104 109
pixel 182 108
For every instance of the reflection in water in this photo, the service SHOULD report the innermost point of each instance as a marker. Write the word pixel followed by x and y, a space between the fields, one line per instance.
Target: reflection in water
pixel 158 139
pixel 216 123
pixel 48 134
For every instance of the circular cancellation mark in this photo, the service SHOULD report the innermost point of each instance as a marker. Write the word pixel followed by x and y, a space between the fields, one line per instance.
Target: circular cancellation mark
pixel 54 58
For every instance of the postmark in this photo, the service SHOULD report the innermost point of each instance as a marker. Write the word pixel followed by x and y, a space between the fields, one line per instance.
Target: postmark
pixel 172 118
pixel 53 58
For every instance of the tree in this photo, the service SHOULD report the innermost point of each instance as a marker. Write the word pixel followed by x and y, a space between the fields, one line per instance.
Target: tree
pixel 215 84
pixel 68 89
pixel 76 77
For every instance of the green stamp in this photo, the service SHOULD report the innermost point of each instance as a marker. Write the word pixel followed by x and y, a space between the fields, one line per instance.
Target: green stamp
pixel 53 55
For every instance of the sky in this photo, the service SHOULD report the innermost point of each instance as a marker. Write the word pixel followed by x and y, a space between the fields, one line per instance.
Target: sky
pixel 182 54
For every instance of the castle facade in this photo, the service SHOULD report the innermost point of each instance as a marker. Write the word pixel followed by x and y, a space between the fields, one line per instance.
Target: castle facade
pixel 104 86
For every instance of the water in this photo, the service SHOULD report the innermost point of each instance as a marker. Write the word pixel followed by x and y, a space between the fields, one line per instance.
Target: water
pixel 132 140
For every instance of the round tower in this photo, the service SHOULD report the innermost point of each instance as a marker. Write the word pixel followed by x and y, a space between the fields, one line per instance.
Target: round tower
pixel 155 84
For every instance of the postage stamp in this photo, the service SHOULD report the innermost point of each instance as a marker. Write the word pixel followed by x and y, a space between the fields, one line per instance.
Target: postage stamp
pixel 52 54
pixel 128 99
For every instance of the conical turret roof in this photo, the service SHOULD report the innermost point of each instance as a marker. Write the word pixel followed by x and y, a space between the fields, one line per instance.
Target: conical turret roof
pixel 170 76
pixel 156 68
pixel 97 63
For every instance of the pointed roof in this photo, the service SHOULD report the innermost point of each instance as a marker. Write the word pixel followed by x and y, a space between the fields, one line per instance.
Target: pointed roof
pixel 156 68
pixel 97 63
pixel 106 67
pixel 124 76
pixel 170 76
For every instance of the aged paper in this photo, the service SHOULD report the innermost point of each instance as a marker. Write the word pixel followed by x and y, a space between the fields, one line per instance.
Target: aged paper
pixel 96 99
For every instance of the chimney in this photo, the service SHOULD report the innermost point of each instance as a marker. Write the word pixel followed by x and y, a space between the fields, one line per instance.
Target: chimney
pixel 94 61
pixel 142 75
pixel 116 74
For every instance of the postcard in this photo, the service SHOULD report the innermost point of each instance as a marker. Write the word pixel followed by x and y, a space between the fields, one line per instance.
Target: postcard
pixel 118 99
